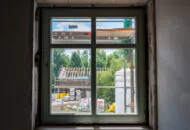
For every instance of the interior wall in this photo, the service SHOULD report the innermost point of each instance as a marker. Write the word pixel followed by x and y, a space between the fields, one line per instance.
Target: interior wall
pixel 16 64
pixel 173 64
pixel 35 76
pixel 151 66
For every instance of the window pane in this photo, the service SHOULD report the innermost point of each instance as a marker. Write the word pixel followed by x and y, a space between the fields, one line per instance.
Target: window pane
pixel 115 31
pixel 116 81
pixel 71 81
pixel 71 30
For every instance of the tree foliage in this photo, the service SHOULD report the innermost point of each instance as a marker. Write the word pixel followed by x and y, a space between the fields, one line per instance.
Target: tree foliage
pixel 116 64
pixel 85 59
pixel 108 60
pixel 75 60
pixel 59 59
pixel 106 78
pixel 117 54
pixel 101 58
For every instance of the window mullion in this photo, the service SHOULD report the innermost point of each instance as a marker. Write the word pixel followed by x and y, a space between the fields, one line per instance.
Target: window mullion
pixel 93 67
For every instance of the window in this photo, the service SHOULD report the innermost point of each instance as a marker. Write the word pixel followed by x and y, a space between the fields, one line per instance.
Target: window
pixel 93 66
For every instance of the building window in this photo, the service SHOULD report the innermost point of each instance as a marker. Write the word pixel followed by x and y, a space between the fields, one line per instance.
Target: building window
pixel 93 66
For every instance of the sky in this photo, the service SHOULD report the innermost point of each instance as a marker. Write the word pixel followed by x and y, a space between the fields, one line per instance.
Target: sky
pixel 63 24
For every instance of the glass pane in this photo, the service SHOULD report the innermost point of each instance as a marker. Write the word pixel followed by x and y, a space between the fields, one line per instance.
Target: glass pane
pixel 71 81
pixel 71 30
pixel 115 31
pixel 116 81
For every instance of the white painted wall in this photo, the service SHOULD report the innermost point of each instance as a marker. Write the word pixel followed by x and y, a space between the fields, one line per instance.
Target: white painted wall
pixel 173 50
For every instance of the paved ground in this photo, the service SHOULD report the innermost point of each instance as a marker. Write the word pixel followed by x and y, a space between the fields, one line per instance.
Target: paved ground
pixel 56 108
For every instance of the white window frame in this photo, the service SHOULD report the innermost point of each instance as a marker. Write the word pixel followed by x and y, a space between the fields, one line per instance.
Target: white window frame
pixel 139 14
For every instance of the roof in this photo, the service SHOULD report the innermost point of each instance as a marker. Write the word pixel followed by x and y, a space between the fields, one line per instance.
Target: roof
pixel 77 72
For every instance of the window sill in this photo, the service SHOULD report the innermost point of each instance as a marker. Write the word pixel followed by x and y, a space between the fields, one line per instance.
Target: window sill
pixel 93 128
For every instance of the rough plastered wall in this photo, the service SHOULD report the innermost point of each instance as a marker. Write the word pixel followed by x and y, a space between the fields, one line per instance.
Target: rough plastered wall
pixel 35 69
pixel 152 66
pixel 173 64
pixel 16 64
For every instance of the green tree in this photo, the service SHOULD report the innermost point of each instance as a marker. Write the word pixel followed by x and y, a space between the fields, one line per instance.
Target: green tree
pixel 59 59
pixel 116 54
pixel 100 58
pixel 85 59
pixel 116 64
pixel 108 59
pixel 106 78
pixel 75 60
